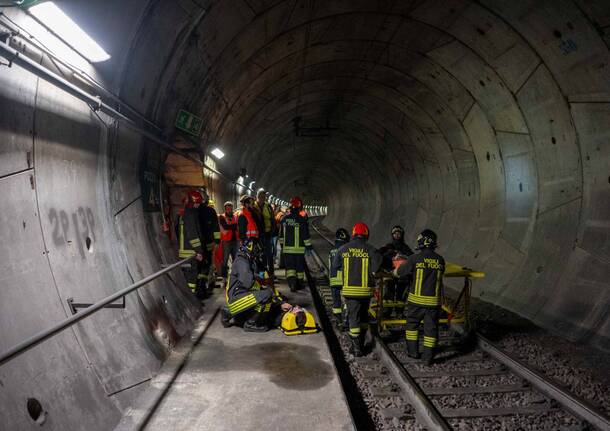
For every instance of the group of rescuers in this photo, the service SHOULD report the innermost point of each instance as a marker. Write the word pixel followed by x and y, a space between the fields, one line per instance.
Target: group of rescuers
pixel 248 237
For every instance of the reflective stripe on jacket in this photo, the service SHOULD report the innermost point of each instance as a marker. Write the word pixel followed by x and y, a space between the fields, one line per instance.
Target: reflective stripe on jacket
pixel 189 238
pixel 295 233
pixel 358 261
pixel 251 230
pixel 335 277
pixel 427 268
pixel 228 234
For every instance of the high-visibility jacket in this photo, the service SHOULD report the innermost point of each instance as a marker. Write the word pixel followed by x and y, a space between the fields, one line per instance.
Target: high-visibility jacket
pixel 334 277
pixel 189 235
pixel 228 227
pixel 427 269
pixel 266 212
pixel 357 261
pixel 294 233
pixel 247 225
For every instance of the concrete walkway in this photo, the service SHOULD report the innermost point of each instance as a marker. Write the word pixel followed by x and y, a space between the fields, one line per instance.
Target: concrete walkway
pixel 228 379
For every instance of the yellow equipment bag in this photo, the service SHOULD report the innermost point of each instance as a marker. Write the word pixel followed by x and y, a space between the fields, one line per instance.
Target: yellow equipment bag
pixel 298 321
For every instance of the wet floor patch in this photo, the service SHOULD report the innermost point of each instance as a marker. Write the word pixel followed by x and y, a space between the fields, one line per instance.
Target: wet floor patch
pixel 287 365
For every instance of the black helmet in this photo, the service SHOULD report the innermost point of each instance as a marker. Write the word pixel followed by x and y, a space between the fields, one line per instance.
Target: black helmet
pixel 398 228
pixel 426 239
pixel 251 248
pixel 342 235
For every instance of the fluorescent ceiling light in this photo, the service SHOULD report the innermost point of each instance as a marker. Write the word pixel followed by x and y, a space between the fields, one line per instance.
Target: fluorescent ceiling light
pixel 58 22
pixel 217 152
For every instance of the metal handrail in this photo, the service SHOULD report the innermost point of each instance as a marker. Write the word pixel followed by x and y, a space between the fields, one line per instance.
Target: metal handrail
pixel 96 103
pixel 48 333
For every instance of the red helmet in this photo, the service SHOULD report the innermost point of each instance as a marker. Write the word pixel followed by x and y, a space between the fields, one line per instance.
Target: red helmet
pixel 195 197
pixel 296 202
pixel 360 229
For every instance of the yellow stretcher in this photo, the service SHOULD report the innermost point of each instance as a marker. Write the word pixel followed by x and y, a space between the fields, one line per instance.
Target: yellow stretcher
pixel 457 311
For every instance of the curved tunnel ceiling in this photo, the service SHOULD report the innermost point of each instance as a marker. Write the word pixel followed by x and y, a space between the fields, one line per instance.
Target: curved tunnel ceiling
pixel 479 120
pixel 487 121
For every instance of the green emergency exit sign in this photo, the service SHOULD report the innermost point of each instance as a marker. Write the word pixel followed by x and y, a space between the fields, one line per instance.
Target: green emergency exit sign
pixel 189 123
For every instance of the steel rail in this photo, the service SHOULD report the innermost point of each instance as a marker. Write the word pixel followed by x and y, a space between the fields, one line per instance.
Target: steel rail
pixel 60 326
pixel 570 402
pixel 426 412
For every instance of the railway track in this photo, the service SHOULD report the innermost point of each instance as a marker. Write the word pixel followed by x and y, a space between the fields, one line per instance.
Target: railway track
pixel 472 384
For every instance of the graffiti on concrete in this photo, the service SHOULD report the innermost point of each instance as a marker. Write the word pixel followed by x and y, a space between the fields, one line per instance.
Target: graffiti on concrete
pixel 79 224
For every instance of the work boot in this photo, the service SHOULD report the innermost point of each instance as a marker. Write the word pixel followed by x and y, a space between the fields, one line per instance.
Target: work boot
pixel 225 317
pixel 413 349
pixel 338 322
pixel 356 347
pixel 427 357
pixel 254 326
pixel 292 283
pixel 200 293
pixel 364 346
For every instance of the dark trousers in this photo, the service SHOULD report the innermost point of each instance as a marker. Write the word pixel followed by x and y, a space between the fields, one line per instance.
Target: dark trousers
pixel 274 240
pixel 229 248
pixel 357 315
pixel 195 273
pixel 267 252
pixel 251 306
pixel 203 277
pixel 337 301
pixel 190 271
pixel 415 314
pixel 295 268
pixel 394 291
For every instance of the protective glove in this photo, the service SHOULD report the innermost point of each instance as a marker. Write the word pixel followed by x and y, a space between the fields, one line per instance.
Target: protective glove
pixel 398 260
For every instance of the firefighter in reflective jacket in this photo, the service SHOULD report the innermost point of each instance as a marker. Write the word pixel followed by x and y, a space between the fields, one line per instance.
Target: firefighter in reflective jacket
pixel 228 236
pixel 336 278
pixel 248 223
pixel 294 238
pixel 357 261
pixel 210 238
pixel 189 240
pixel 248 302
pixel 425 293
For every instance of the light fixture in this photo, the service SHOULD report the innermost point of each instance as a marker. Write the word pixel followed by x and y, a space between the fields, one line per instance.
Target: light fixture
pixel 68 31
pixel 217 152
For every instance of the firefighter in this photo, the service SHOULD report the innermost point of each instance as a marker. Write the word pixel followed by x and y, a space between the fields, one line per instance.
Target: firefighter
pixel 210 237
pixel 248 224
pixel 294 239
pixel 268 226
pixel 425 293
pixel 248 302
pixel 335 277
pixel 357 261
pixel 228 236
pixel 395 289
pixel 189 240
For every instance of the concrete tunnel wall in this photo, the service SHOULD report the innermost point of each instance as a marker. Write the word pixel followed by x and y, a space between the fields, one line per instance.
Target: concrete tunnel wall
pixel 487 121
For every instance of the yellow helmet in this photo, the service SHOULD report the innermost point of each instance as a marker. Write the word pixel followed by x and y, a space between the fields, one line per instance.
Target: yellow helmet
pixel 298 321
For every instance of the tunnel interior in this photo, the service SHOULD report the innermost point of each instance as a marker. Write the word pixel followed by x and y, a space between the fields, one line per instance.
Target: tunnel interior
pixel 486 121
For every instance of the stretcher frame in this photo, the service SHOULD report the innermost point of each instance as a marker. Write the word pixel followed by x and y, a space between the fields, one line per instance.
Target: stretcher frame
pixel 454 314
